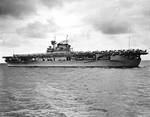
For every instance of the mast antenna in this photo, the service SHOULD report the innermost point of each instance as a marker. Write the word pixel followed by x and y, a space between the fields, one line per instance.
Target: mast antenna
pixel 67 38
pixel 54 37
pixel 129 41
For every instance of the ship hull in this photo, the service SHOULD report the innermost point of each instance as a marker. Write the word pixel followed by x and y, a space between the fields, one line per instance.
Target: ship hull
pixel 99 63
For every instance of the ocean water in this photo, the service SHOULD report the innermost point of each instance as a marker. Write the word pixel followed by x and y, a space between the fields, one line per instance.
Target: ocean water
pixel 75 92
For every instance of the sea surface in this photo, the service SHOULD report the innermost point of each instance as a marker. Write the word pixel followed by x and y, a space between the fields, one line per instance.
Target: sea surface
pixel 75 92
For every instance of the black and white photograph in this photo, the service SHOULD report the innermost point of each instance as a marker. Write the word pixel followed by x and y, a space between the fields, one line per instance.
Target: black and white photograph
pixel 74 58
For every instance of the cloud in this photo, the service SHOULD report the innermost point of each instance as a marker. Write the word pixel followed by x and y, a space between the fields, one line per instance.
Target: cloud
pixel 111 26
pixel 113 16
pixel 37 29
pixel 17 8
pixel 55 3
pixel 126 3
pixel 52 3
pixel 110 18
pixel 9 43
pixel 9 40
pixel 145 9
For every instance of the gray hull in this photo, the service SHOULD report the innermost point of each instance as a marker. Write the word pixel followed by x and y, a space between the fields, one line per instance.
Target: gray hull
pixel 99 63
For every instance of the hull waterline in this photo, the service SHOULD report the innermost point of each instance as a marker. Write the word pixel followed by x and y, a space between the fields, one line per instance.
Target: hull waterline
pixel 101 63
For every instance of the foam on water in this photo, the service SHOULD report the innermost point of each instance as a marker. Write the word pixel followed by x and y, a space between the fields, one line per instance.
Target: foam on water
pixel 74 92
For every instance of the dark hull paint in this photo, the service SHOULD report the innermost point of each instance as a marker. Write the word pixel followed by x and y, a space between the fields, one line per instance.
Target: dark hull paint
pixel 99 63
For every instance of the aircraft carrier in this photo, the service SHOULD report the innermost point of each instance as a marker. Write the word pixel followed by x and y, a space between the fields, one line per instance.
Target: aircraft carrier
pixel 62 55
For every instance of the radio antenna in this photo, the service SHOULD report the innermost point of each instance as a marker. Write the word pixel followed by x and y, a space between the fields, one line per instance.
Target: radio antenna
pixel 129 41
pixel 67 38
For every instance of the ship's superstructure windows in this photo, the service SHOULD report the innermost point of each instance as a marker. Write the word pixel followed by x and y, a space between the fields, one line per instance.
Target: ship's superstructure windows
pixel 63 47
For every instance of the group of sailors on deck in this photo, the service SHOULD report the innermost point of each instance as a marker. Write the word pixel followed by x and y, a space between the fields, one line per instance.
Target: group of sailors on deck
pixel 115 52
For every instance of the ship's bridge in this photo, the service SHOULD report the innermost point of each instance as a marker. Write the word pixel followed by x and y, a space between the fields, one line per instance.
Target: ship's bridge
pixel 60 47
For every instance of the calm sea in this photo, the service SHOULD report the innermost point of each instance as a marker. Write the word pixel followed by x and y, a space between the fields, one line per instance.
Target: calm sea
pixel 75 92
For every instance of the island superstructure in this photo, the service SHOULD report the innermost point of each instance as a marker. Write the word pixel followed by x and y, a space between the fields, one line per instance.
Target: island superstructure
pixel 62 55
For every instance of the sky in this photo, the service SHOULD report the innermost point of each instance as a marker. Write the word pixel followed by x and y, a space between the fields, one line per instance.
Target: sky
pixel 28 26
